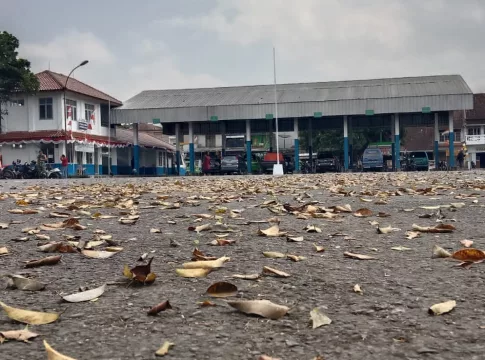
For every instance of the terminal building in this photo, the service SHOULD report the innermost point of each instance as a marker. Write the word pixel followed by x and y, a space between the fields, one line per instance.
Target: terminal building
pixel 249 112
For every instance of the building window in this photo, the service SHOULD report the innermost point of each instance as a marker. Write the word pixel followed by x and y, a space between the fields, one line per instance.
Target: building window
pixel 473 131
pixel 88 111
pixel 210 141
pixel 104 115
pixel 45 109
pixel 89 158
pixel 73 106
pixel 445 138
pixel 17 102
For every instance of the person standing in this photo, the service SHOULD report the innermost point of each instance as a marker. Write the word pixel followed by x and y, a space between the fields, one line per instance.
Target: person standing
pixel 206 164
pixel 41 159
pixel 460 157
pixel 64 165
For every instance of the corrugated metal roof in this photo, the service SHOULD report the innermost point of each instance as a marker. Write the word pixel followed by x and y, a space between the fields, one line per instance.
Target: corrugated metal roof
pixel 441 93
pixel 144 139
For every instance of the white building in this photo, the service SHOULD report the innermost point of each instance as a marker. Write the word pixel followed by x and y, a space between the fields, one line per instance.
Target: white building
pixel 43 122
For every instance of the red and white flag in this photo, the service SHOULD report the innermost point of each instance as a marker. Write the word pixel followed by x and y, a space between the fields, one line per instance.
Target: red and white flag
pixel 92 118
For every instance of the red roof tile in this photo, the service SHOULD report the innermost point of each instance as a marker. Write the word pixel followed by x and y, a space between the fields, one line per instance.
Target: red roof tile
pixel 51 81
pixel 478 111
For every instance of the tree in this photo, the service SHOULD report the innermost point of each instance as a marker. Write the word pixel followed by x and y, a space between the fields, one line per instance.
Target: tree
pixel 15 74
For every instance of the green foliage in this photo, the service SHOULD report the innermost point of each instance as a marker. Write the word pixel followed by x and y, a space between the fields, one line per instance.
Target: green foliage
pixel 15 74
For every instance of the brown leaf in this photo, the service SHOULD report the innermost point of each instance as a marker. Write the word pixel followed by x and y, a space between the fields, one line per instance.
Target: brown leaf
pixel 295 258
pixel 222 242
pixel 469 255
pixel 199 255
pixel 364 212
pixel 23 211
pixel 209 264
pixel 28 316
pixel 266 357
pixel 206 303
pixel 160 307
pixel 359 256
pixel 141 272
pixel 222 289
pixel 273 231
pixel 440 228
pixel 412 234
pixel 53 354
pixel 246 277
pixel 383 214
pixel 273 255
pixel 264 308
pixel 50 260
pixel 318 248
pixel 193 273
pixel 271 271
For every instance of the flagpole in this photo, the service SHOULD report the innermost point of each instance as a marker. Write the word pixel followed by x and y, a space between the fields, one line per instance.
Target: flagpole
pixel 109 137
pixel 276 108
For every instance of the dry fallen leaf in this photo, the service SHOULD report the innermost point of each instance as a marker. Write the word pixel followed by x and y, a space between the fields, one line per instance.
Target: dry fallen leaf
pixel 386 230
pixel 164 349
pixel 53 354
pixel 23 283
pixel 95 254
pixel 19 335
pixel 246 277
pixel 469 255
pixel 318 248
pixel 295 258
pixel 364 212
pixel 312 229
pixel 358 290
pixel 222 289
pixel 193 273
pixel 159 308
pixel 440 228
pixel 439 252
pixel 412 234
pixel 294 238
pixel 210 264
pixel 273 255
pixel 85 295
pixel 28 316
pixel 466 243
pixel 264 308
pixel 400 248
pixel 50 260
pixel 273 231
pixel 3 251
pixel 318 318
pixel 442 308
pixel 359 256
pixel 271 271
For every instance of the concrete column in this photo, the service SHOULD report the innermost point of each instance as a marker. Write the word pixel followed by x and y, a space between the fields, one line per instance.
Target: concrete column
pixel 346 143
pixel 436 140
pixel 297 145
pixel 177 148
pixel 393 147
pixel 114 161
pixel 351 143
pixel 136 150
pixel 451 148
pixel 310 143
pixel 191 149
pixel 249 156
pixel 482 130
pixel 223 138
pixel 397 142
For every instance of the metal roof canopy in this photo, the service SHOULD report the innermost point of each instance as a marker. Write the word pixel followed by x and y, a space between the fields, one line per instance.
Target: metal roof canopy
pixel 383 96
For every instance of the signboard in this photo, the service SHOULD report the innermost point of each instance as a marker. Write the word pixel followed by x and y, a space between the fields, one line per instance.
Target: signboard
pixel 214 118
pixel 369 112
pixel 156 121
pixel 89 148
pixel 269 117
pixel 317 114
pixel 426 110
pixel 82 125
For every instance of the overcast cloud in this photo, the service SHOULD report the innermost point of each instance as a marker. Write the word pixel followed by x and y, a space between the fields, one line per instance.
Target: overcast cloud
pixel 161 44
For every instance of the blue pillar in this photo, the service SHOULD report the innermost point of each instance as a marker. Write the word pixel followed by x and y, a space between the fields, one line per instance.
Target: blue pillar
pixel 452 140
pixel 136 150
pixel 346 144
pixel 397 143
pixel 393 152
pixel 177 148
pixel 249 156
pixel 191 149
pixel 436 140
pixel 297 145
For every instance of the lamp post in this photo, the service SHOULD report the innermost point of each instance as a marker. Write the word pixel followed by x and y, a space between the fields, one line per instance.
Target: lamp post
pixel 65 105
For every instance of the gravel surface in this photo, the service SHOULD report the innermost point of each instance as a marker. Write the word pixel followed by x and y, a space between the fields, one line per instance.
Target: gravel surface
pixel 389 320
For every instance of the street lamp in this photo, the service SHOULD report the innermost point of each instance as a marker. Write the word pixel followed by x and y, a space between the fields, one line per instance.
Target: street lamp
pixel 65 105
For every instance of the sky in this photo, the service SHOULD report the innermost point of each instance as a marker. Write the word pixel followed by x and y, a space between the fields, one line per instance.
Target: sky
pixel 166 44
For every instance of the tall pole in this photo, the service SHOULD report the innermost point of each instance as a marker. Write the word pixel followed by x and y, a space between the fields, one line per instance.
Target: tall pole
pixel 65 107
pixel 276 109
pixel 109 137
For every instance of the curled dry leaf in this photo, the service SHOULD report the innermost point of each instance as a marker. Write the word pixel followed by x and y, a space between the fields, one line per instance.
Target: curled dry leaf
pixel 85 295
pixel 439 252
pixel 141 273
pixel 386 230
pixel 28 316
pixel 210 264
pixel 400 248
pixel 26 284
pixel 246 277
pixel 365 200
pixel 3 226
pixel 318 318
pixel 312 229
pixel 19 335
pixel 198 255
pixel 442 308
pixel 155 231
pixel 266 357
pixel 164 349
pixel 200 228
pixel 159 308
pixel 295 258
pixel 359 256
pixel 95 254
pixel 294 238
pixel 222 242
pixel 466 243
pixel 206 303
pixel 273 231
pixel 264 308
pixel 364 212
pixel 383 214
pixel 55 355
pixel 469 255
pixel 50 260
pixel 274 255
pixel 412 234
pixel 222 289
pixel 374 223
pixel 318 248
pixel 275 272
pixel 358 290
pixel 3 251
pixel 23 211
pixel 193 273
pixel 440 228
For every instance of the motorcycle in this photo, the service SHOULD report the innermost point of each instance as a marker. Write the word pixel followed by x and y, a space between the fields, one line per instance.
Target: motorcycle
pixel 29 171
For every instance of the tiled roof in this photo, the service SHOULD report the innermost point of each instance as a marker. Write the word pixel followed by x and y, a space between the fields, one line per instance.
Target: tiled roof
pixel 145 139
pixel 51 81
pixel 478 111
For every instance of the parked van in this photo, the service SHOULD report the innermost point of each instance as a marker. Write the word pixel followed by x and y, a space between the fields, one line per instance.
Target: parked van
pixel 420 160
pixel 372 159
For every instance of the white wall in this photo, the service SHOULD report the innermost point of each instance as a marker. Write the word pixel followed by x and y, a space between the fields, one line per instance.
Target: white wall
pixel 27 153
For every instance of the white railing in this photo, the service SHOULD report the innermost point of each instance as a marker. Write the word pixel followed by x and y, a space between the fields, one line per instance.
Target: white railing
pixel 475 139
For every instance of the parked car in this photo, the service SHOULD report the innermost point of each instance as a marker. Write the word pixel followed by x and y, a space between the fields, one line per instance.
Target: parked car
pixel 270 159
pixel 255 164
pixel 372 159
pixel 215 166
pixel 420 160
pixel 326 161
pixel 231 164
